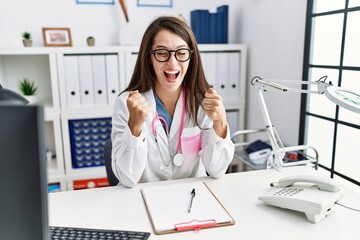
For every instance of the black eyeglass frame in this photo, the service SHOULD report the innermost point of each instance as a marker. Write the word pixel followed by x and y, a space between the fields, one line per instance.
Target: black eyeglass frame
pixel 170 51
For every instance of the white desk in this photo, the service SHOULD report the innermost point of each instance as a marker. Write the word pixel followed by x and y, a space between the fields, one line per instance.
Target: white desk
pixel 123 208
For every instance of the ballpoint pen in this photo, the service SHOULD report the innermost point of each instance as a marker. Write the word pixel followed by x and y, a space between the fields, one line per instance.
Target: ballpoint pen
pixel 192 197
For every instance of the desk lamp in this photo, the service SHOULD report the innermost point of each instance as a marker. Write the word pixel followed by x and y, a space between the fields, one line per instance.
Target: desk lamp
pixel 9 97
pixel 345 98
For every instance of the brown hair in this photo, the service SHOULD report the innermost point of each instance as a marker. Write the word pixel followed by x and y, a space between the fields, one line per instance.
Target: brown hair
pixel 144 78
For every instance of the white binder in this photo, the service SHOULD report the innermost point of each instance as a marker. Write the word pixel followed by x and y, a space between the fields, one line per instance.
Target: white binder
pixel 99 77
pixel 210 68
pixel 222 74
pixel 72 83
pixel 112 77
pixel 86 81
pixel 234 75
pixel 130 62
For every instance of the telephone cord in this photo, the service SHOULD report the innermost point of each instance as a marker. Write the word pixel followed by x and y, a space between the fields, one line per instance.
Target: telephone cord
pixel 354 209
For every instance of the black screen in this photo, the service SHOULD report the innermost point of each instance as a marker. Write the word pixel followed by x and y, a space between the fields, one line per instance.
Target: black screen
pixel 23 183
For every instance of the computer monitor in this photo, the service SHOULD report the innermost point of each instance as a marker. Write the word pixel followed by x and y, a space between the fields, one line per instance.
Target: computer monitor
pixel 23 182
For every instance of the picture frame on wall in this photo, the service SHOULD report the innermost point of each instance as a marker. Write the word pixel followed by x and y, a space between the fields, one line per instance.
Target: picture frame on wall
pixel 155 3
pixel 57 37
pixel 111 2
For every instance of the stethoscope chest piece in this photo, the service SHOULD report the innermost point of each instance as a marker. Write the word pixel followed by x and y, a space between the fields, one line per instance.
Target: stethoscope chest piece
pixel 178 159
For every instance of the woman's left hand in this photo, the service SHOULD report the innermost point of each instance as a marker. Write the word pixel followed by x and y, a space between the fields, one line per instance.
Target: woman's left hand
pixel 215 110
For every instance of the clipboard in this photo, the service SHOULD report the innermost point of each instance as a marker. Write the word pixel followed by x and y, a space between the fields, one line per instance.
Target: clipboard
pixel 167 207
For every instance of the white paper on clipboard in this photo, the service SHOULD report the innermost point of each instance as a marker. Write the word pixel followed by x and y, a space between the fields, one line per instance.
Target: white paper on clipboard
pixel 168 206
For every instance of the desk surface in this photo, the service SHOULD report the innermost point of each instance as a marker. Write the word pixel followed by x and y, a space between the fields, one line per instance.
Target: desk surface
pixel 123 208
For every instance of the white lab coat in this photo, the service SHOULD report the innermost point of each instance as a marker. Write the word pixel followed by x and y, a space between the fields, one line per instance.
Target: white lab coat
pixel 141 159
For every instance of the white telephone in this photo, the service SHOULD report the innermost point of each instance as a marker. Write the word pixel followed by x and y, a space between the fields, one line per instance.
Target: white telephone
pixel 316 199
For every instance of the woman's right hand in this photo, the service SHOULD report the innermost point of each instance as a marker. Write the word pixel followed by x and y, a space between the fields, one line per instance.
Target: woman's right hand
pixel 139 110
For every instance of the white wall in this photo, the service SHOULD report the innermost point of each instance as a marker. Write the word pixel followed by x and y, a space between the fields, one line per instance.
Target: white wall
pixel 105 22
pixel 275 33
pixel 273 30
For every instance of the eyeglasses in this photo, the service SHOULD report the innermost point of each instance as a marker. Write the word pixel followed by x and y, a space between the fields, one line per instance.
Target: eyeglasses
pixel 163 55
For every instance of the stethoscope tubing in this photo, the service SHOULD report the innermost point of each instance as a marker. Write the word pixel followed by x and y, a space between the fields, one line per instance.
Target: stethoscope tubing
pixel 167 130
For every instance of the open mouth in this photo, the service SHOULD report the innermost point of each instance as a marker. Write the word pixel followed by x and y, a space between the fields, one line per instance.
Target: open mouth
pixel 171 75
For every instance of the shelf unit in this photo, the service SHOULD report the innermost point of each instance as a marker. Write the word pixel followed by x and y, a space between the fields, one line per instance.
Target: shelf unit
pixel 224 65
pixel 295 156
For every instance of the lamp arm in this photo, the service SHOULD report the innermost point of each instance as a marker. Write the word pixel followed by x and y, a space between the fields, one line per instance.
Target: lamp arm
pixel 275 141
pixel 346 98
pixel 260 85
pixel 321 84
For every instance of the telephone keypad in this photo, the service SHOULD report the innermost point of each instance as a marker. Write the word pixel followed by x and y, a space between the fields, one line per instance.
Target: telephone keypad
pixel 288 192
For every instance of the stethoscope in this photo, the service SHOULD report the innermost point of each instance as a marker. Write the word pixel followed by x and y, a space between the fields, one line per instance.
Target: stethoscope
pixel 179 158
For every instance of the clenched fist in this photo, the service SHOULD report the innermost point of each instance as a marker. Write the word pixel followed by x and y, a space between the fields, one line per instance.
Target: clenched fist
pixel 138 109
pixel 215 110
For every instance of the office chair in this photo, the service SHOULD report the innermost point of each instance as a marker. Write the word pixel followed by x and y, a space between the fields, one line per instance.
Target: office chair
pixel 113 181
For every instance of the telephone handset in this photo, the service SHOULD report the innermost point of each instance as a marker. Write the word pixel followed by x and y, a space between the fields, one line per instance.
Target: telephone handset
pixel 313 195
pixel 325 184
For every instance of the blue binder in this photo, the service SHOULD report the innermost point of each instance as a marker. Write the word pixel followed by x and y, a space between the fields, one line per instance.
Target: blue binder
pixel 213 28
pixel 223 21
pixel 200 24
pixel 210 27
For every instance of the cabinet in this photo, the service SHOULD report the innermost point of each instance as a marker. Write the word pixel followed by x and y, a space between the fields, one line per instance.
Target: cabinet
pixel 39 65
pixel 77 87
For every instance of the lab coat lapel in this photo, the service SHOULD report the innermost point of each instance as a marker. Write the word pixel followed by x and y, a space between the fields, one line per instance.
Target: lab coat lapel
pixel 175 126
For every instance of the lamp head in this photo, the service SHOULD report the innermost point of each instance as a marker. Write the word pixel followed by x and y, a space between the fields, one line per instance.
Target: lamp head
pixel 9 97
pixel 343 97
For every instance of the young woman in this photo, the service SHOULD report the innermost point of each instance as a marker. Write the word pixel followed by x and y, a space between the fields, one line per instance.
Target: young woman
pixel 168 123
